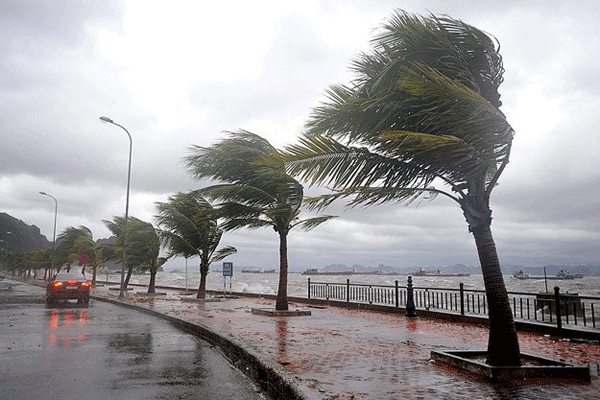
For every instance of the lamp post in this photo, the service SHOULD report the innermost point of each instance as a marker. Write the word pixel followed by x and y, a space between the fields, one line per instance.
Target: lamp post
pixel 123 262
pixel 54 235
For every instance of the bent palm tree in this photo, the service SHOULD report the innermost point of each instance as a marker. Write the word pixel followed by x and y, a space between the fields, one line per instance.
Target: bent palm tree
pixel 116 226
pixel 422 111
pixel 74 242
pixel 253 194
pixel 143 248
pixel 189 228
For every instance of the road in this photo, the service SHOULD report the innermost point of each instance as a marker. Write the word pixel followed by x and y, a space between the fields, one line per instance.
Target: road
pixel 105 352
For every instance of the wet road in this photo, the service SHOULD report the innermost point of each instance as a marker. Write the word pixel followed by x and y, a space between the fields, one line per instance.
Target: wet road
pixel 105 352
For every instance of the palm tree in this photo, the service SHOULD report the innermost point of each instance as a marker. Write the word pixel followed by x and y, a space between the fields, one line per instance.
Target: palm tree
pixel 74 242
pixel 143 247
pixel 104 252
pixel 253 194
pixel 189 228
pixel 41 258
pixel 422 112
pixel 116 227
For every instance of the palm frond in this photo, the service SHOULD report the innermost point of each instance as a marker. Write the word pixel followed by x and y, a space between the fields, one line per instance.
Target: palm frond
pixel 323 160
pixel 424 105
pixel 189 225
pixel 311 223
pixel 223 253
pixel 369 196
pixel 233 224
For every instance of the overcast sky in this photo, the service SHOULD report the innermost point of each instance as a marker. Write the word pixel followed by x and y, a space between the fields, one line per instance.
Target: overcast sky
pixel 179 73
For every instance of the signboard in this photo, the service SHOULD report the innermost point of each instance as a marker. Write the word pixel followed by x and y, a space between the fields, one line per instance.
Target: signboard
pixel 84 259
pixel 228 269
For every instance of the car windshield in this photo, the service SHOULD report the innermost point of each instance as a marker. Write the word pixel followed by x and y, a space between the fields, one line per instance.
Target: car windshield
pixel 65 276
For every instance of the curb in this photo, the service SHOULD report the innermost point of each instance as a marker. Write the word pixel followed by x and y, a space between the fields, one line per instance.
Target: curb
pixel 266 373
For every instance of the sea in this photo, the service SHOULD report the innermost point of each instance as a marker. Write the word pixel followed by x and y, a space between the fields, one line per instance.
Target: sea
pixel 266 283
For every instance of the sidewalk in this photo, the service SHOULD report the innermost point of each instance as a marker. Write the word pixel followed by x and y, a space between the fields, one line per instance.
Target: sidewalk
pixel 349 354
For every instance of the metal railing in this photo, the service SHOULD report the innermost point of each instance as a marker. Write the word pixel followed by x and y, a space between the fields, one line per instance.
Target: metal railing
pixel 553 308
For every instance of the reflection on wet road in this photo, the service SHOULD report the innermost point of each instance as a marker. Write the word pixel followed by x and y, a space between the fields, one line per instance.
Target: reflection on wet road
pixel 108 352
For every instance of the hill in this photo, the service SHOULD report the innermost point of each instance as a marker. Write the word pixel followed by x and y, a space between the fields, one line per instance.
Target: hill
pixel 19 237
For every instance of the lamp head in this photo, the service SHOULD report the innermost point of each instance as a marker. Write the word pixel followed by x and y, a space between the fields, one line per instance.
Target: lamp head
pixel 106 119
pixel 44 193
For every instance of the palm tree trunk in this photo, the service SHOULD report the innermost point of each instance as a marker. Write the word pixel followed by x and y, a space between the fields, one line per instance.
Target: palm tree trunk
pixel 202 288
pixel 503 343
pixel 152 284
pixel 128 277
pixel 94 271
pixel 282 302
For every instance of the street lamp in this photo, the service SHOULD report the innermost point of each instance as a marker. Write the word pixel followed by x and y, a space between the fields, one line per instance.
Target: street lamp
pixel 54 235
pixel 123 262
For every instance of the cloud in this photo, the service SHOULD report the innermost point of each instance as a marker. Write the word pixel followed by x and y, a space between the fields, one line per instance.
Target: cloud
pixel 181 75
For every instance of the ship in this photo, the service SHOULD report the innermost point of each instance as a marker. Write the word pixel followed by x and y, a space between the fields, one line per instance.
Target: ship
pixel 377 272
pixel 258 271
pixel 423 272
pixel 315 271
pixel 562 275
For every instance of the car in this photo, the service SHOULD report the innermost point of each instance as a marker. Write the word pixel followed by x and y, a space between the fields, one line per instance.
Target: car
pixel 68 285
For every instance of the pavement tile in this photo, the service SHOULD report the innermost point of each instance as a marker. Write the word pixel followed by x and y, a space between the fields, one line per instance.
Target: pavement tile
pixel 354 354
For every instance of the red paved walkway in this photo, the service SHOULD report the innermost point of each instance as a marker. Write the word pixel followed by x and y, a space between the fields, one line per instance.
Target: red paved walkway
pixel 349 354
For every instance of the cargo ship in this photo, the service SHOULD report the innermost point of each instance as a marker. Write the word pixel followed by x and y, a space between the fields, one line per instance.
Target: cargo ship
pixel 422 272
pixel 258 271
pixel 315 271
pixel 562 275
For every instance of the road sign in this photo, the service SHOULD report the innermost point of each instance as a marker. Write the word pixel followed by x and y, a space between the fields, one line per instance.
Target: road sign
pixel 228 269
pixel 84 259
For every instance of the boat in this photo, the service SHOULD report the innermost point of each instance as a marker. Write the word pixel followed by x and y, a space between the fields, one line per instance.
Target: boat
pixel 522 275
pixel 562 275
pixel 423 272
pixel 258 271
pixel 377 272
pixel 315 271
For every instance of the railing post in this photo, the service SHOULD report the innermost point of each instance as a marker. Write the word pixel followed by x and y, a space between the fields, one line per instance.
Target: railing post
pixel 396 294
pixel 410 300
pixel 462 298
pixel 309 288
pixel 557 305
pixel 347 290
pixel 327 291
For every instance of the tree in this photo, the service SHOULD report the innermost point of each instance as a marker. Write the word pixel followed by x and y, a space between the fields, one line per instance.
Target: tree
pixel 104 252
pixel 253 194
pixel 40 259
pixel 422 112
pixel 17 263
pixel 143 247
pixel 74 242
pixel 116 227
pixel 189 228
